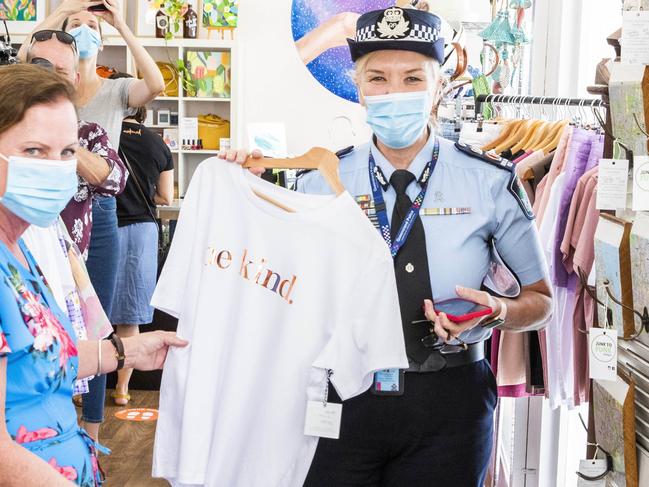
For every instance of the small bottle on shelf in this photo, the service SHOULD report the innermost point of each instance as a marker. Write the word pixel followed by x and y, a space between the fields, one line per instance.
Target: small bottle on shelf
pixel 161 24
pixel 200 144
pixel 190 23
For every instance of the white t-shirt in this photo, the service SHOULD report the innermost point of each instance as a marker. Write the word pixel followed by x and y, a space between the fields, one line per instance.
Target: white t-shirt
pixel 269 301
pixel 46 247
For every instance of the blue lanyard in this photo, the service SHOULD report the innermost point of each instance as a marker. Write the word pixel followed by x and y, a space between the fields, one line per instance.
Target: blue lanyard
pixel 378 182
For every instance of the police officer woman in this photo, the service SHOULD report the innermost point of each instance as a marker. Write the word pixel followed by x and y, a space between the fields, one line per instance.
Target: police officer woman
pixel 441 208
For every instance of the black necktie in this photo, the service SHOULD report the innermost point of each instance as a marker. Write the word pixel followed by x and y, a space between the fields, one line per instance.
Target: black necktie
pixel 411 270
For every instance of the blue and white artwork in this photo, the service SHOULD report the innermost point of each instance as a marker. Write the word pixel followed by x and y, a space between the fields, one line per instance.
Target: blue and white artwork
pixel 325 52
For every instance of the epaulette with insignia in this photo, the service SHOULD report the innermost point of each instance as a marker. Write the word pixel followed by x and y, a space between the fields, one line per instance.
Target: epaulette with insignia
pixel 490 157
pixel 345 152
pixel 519 194
pixel 514 187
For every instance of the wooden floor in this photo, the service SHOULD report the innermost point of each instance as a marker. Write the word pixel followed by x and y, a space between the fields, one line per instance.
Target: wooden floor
pixel 129 464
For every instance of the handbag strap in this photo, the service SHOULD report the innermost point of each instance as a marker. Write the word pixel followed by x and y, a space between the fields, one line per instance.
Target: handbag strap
pixel 137 184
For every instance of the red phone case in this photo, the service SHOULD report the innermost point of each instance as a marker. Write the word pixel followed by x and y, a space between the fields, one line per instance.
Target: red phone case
pixel 469 316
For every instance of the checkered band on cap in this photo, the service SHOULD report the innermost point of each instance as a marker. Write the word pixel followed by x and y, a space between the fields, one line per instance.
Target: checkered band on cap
pixel 367 33
pixel 423 33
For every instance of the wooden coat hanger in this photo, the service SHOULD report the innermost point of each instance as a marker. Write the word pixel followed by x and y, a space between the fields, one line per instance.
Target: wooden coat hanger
pixel 541 134
pixel 532 130
pixel 537 130
pixel 515 137
pixel 318 158
pixel 552 142
pixel 511 127
pixel 551 138
pixel 519 136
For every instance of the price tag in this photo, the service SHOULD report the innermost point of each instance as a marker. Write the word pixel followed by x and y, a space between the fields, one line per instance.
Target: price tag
pixel 635 37
pixel 602 354
pixel 612 183
pixel 323 419
pixel 592 468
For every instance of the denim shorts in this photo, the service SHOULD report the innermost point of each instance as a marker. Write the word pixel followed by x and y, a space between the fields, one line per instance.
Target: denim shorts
pixel 136 274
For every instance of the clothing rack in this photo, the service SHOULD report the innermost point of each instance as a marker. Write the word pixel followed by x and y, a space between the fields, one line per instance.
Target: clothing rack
pixel 538 100
pixel 558 102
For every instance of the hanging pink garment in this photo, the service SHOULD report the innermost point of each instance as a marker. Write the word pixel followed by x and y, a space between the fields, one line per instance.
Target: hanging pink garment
pixel 556 168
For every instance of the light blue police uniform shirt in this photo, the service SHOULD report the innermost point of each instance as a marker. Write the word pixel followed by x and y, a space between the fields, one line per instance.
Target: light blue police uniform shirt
pixel 458 246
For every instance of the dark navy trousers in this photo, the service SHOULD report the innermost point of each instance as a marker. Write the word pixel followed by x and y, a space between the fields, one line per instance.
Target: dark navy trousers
pixel 438 434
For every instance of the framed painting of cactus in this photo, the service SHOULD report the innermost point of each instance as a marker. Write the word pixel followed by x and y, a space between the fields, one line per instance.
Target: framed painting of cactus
pixel 22 15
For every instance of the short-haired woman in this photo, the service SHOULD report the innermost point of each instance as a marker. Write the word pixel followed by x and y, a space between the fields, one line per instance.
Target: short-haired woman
pixel 441 209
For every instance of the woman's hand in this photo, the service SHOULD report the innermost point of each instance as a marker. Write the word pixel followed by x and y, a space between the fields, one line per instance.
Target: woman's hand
pixel 448 330
pixel 71 7
pixel 113 15
pixel 148 351
pixel 240 156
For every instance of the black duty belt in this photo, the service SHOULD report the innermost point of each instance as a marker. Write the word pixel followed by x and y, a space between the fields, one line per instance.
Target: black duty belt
pixel 439 361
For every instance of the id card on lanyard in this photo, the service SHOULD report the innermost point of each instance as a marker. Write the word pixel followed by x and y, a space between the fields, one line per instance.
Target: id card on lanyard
pixel 390 381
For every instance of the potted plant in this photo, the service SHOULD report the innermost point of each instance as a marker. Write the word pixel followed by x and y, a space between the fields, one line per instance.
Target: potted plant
pixel 175 10
pixel 186 78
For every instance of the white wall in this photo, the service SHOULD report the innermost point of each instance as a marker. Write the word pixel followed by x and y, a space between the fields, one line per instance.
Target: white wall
pixel 275 86
pixel 569 39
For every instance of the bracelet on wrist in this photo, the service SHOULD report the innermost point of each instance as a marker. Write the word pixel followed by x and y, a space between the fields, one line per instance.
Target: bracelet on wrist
pixel 119 351
pixel 99 344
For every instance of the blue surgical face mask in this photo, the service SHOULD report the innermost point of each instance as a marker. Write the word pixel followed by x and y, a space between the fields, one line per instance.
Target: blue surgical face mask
pixel 88 41
pixel 37 189
pixel 399 119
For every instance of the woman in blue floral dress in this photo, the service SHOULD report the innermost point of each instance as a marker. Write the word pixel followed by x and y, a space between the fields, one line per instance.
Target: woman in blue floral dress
pixel 40 441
